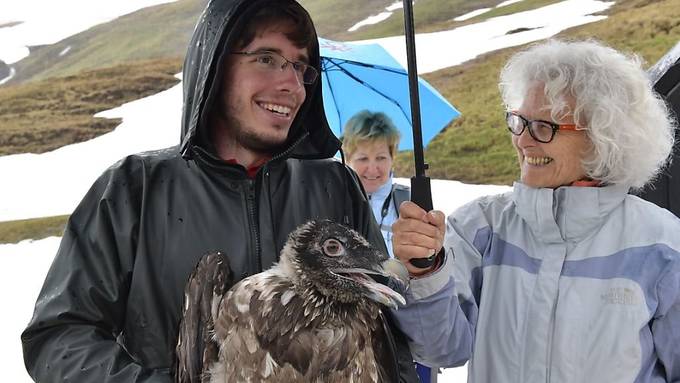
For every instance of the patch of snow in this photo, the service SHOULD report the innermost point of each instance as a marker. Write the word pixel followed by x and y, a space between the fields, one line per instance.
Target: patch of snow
pixel 53 183
pixel 508 2
pixel 445 49
pixel 375 19
pixel 448 195
pixel 47 22
pixel 453 375
pixel 12 54
pixel 64 51
pixel 472 14
pixel 23 267
pixel 396 5
pixel 12 73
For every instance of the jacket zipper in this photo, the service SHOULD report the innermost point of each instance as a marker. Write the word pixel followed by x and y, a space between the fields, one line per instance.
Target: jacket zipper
pixel 251 198
pixel 551 334
pixel 254 232
pixel 392 344
pixel 290 149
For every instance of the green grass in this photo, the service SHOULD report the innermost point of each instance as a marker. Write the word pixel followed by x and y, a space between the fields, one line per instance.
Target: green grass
pixel 161 31
pixel 476 148
pixel 332 17
pixel 45 115
pixel 522 6
pixel 448 23
pixel 164 31
pixel 436 15
pixel 428 14
pixel 646 27
pixel 39 228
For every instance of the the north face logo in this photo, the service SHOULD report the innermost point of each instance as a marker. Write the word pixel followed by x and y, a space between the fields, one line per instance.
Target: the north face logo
pixel 620 296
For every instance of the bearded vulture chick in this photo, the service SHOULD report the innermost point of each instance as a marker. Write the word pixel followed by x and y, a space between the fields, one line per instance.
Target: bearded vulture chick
pixel 315 316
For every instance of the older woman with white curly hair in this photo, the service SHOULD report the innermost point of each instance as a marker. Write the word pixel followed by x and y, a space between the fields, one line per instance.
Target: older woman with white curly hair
pixel 567 278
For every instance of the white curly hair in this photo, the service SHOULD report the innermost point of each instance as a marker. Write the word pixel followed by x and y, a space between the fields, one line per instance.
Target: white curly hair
pixel 629 125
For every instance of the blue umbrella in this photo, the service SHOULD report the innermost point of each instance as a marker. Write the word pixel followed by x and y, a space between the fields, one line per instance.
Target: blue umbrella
pixel 364 76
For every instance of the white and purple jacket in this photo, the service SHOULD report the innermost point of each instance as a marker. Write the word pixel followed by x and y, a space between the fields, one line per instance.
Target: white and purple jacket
pixel 576 284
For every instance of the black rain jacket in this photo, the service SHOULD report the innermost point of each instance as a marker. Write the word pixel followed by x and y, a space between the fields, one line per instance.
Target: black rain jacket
pixel 111 303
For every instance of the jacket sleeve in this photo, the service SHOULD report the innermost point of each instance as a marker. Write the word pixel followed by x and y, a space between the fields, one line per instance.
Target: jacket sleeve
pixel 441 309
pixel 666 323
pixel 81 308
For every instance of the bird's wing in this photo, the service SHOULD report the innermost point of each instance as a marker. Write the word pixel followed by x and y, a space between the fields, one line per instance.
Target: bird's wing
pixel 263 325
pixel 267 333
pixel 336 350
pixel 249 313
pixel 196 350
pixel 266 311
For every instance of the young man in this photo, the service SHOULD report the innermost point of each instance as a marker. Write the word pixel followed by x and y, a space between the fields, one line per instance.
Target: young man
pixel 254 163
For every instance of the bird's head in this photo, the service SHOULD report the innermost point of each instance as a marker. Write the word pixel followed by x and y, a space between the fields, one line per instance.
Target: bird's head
pixel 340 264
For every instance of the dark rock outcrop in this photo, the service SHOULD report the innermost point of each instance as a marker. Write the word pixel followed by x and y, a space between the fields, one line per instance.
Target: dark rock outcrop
pixel 4 70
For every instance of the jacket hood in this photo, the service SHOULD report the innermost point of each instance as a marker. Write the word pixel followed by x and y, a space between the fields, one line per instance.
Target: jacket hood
pixel 310 136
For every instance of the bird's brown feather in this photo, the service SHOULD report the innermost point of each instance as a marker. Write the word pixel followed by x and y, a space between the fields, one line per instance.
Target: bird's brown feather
pixel 297 347
pixel 196 349
pixel 296 322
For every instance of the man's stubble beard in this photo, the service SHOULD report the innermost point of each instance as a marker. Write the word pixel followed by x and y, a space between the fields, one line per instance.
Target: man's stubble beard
pixel 249 139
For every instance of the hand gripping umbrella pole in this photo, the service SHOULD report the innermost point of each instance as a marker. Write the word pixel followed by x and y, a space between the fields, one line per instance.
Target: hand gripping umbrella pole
pixel 421 193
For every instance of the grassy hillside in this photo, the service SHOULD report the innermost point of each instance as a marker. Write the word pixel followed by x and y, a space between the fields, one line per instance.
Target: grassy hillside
pixel 476 147
pixel 161 31
pixel 45 115
pixel 16 231
pixel 333 17
pixel 438 15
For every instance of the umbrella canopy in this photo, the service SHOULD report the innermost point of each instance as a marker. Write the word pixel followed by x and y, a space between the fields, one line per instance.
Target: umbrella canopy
pixel 364 76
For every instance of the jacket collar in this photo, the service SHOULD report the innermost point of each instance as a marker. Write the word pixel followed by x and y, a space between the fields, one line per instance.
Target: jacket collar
pixel 383 191
pixel 568 213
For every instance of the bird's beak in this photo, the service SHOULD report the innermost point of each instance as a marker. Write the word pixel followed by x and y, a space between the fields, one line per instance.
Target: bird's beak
pixel 398 278
pixel 381 283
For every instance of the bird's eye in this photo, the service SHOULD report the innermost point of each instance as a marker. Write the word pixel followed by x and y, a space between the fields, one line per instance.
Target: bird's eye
pixel 333 248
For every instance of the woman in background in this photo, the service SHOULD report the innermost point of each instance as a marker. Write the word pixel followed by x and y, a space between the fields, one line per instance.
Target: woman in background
pixel 370 142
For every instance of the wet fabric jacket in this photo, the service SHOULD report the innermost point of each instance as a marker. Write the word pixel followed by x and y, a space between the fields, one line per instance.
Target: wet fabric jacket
pixel 577 284
pixel 111 303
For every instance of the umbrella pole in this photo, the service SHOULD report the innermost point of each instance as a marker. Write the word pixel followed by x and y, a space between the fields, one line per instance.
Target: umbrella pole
pixel 421 192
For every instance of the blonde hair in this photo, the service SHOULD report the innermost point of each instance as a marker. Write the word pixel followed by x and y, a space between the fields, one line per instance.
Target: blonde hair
pixel 629 125
pixel 367 126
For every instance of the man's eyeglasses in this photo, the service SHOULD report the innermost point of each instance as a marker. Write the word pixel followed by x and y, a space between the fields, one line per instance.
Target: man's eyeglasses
pixel 540 130
pixel 268 62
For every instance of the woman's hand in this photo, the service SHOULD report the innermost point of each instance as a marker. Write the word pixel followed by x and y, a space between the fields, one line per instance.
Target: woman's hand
pixel 417 234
